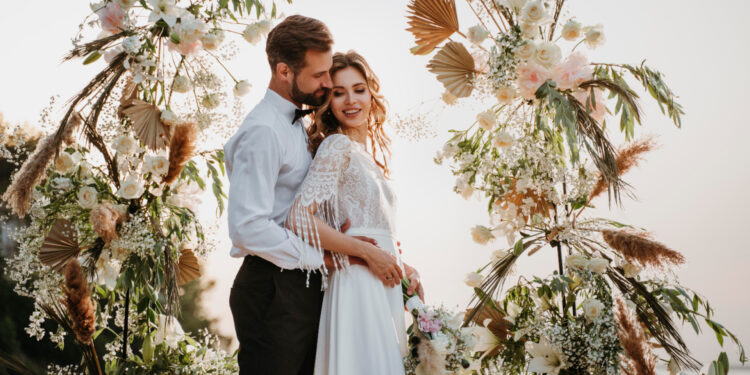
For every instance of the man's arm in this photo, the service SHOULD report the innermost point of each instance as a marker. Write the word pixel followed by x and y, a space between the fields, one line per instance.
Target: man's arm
pixel 253 164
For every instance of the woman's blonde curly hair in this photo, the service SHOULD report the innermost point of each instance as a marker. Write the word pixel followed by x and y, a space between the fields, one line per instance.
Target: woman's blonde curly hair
pixel 325 123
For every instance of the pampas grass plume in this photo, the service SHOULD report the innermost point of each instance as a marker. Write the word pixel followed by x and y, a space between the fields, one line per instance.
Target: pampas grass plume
pixel 104 218
pixel 78 301
pixel 181 149
pixel 19 193
pixel 640 360
pixel 638 247
pixel 627 158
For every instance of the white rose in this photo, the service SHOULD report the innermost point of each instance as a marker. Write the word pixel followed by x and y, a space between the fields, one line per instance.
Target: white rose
pixel 473 279
pixel 181 84
pixel 156 165
pixel 535 13
pixel 125 144
pixel 62 183
pixel 87 197
pixel 594 35
pixel 630 269
pixel 131 188
pixel 506 94
pixel 572 30
pixel 464 188
pixel 477 34
pixel 242 88
pixel 131 44
pixel 449 98
pixel 110 54
pixel 252 33
pixel 514 5
pixel 169 118
pixel 481 234
pixel 210 101
pixel 502 139
pixel 597 265
pixel 264 26
pixel 576 261
pixel 86 169
pixel 530 31
pixel 191 29
pixel 592 308
pixel 107 271
pixel 547 54
pixel 67 162
pixel 527 50
pixel 169 331
pixel 212 39
pixel 487 120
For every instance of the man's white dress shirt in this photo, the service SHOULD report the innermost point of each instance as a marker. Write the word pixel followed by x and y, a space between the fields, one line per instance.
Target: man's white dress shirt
pixel 266 161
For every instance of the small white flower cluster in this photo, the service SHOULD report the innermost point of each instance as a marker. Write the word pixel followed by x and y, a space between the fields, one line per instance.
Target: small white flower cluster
pixel 135 238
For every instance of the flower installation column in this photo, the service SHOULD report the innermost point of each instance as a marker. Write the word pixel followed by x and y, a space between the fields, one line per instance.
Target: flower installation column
pixel 540 155
pixel 111 191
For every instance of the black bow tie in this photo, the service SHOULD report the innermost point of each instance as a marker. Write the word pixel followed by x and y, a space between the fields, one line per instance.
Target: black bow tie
pixel 299 113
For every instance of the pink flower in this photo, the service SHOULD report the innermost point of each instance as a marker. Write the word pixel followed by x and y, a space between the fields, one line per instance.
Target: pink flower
pixel 429 323
pixel 530 77
pixel 185 48
pixel 600 110
pixel 572 72
pixel 111 17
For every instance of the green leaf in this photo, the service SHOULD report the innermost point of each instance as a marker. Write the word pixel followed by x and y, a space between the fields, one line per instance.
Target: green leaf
pixel 92 57
pixel 518 248
pixel 174 38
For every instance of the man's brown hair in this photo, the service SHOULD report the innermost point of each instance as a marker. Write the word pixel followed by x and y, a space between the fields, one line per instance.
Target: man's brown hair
pixel 290 39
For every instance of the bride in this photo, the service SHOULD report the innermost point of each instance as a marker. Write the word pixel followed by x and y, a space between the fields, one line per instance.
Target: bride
pixel 362 329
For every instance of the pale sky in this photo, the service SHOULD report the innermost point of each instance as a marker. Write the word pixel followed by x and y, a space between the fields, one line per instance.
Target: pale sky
pixel 691 192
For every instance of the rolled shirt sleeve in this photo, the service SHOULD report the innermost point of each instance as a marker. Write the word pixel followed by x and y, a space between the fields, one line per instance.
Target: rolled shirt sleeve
pixel 253 161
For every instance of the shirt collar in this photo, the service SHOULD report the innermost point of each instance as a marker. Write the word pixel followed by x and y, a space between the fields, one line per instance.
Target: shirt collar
pixel 285 107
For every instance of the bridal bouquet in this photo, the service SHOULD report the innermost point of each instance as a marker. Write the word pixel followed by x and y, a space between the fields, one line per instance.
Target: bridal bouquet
pixel 111 193
pixel 540 155
pixel 437 342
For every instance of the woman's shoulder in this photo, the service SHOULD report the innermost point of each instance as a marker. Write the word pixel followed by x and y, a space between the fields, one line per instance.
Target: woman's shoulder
pixel 335 144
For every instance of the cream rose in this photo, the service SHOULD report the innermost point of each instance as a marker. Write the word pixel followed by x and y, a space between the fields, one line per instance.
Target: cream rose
pixel 502 139
pixel 481 234
pixel 87 197
pixel 169 118
pixel 252 33
pixel 130 188
pixel 594 35
pixel 477 34
pixel 156 165
pixel 547 54
pixel 212 39
pixel 527 50
pixel 125 144
pixel 473 279
pixel 181 84
pixel 487 120
pixel 506 94
pixel 535 13
pixel 597 265
pixel 572 30
pixel 241 88
pixel 67 162
pixel 576 261
pixel 529 31
pixel 592 308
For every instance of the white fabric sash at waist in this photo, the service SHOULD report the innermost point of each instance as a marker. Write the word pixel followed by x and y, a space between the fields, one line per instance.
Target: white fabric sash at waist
pixel 367 232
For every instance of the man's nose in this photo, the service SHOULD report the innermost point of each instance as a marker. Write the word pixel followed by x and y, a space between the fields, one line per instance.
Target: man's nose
pixel 326 81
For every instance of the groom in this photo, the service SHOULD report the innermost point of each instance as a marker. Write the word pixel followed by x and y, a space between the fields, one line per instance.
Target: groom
pixel 276 313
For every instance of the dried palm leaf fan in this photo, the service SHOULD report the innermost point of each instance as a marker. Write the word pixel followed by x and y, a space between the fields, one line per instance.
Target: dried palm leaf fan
pixel 454 67
pixel 146 120
pixel 60 245
pixel 188 268
pixel 129 94
pixel 494 320
pixel 431 22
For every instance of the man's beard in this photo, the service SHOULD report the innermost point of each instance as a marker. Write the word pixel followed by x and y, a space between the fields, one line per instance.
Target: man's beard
pixel 309 98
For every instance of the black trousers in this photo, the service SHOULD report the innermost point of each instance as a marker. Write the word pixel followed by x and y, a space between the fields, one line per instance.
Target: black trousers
pixel 276 318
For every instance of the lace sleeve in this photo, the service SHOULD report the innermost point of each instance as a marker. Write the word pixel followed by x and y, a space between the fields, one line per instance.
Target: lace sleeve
pixel 318 195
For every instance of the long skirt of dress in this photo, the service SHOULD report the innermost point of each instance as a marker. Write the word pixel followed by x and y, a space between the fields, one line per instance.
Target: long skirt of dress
pixel 362 329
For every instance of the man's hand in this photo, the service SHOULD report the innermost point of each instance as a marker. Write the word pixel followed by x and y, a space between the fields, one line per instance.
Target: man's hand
pixel 415 282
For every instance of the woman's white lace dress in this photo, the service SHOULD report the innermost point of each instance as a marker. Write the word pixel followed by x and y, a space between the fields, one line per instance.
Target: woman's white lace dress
pixel 362 329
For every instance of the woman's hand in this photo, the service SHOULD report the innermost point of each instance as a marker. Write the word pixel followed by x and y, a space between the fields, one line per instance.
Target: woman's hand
pixel 415 282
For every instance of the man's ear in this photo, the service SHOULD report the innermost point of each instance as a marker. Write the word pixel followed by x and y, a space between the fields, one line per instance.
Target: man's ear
pixel 284 72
